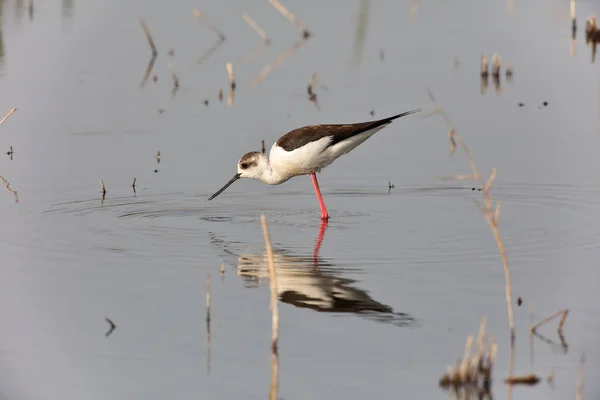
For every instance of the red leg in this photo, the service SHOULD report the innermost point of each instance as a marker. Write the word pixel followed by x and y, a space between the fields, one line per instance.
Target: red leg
pixel 324 214
pixel 318 242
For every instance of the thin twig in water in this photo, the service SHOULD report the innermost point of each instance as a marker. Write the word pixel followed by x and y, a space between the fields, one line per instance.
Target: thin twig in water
pixel 175 80
pixel 580 379
pixel 232 84
pixel 11 112
pixel 7 186
pixel 562 313
pixel 133 186
pixel 491 215
pixel 154 53
pixel 149 38
pixel 103 190
pixel 312 95
pixel 272 284
pixel 221 37
pixel 210 26
pixel 360 33
pixel 523 380
pixel 260 32
pixel 111 328
pixel 263 146
pixel 266 70
pixel 286 13
pixel 275 313
pixel 208 322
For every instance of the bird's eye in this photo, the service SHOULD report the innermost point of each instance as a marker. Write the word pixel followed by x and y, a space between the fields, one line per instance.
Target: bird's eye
pixel 244 165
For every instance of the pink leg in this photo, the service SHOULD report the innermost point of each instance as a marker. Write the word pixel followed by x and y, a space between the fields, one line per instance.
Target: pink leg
pixel 324 214
pixel 318 243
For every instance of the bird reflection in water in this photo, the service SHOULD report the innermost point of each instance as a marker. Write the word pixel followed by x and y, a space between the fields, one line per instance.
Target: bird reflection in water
pixel 310 282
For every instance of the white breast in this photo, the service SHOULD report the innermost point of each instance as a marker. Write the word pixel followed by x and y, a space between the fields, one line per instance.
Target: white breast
pixel 304 160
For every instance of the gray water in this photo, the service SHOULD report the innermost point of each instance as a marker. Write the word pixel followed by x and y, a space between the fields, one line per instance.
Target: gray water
pixel 422 249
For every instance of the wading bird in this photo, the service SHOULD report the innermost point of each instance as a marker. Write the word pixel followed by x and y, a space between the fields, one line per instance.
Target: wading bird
pixel 305 151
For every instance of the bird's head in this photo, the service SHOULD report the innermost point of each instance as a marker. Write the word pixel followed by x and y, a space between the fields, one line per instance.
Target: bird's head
pixel 252 165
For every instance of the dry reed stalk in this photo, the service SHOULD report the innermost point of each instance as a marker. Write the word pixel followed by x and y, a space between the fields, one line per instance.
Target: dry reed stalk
pixel 561 323
pixel 530 379
pixel 579 395
pixel 148 71
pixel 414 9
pixel 175 80
pixel 133 186
pixel 259 31
pixel 11 112
pixel 208 298
pixel 232 84
pixel 286 13
pixel 266 70
pixel 208 322
pixel 209 52
pixel 102 187
pixel 491 215
pixel 312 95
pixel 7 186
pixel 573 16
pixel 510 5
pixel 473 371
pixel 149 38
pixel 206 22
pixel 273 388
pixel 154 54
pixel 360 32
pixel 111 326
pixel 272 284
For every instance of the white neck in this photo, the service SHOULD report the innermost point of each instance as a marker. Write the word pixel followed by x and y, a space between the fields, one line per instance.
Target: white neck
pixel 271 176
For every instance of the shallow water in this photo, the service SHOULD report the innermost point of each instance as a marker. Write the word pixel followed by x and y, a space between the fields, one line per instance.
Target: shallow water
pixel 419 257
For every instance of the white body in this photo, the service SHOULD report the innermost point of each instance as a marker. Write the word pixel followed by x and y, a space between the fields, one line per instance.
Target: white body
pixel 312 157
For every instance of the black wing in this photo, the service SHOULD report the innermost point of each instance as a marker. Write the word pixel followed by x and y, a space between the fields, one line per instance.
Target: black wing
pixel 307 134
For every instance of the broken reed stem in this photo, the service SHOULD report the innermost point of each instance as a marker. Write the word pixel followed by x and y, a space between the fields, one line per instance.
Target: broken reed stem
pixel 490 215
pixel 230 75
pixel 561 323
pixel 232 84
pixel 274 377
pixel 208 298
pixel 11 112
pixel 103 187
pixel 174 76
pixel 7 186
pixel 210 26
pixel 272 284
pixel 580 379
pixel 530 379
pixel 266 70
pixel 149 37
pixel 259 31
pixel 208 322
pixel 286 13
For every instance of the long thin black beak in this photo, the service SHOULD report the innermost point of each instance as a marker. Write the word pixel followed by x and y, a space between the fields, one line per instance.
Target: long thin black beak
pixel 235 178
